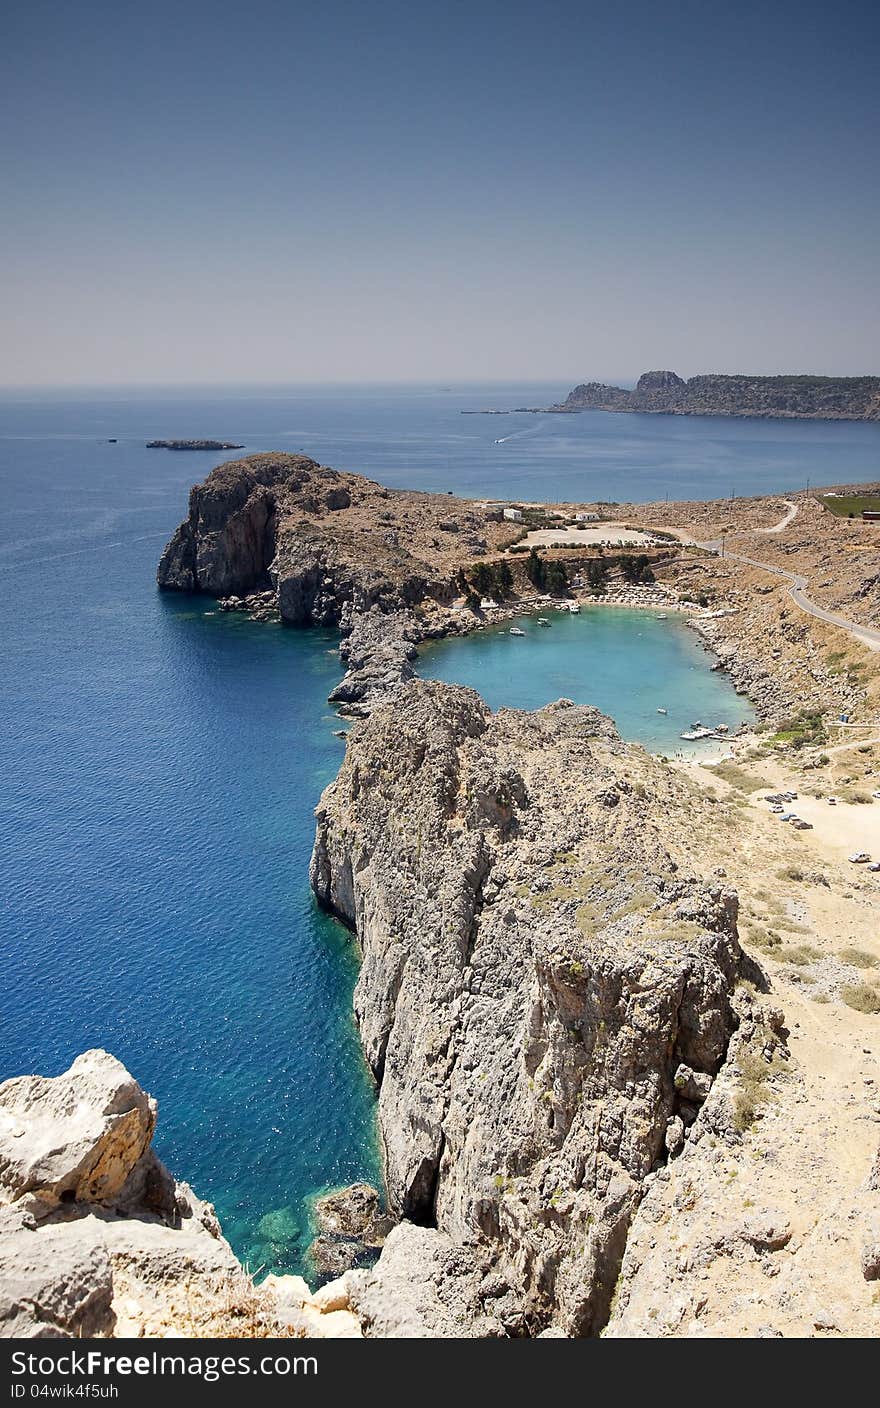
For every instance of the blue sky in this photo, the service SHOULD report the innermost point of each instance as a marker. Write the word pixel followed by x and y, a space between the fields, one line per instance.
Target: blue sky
pixel 275 191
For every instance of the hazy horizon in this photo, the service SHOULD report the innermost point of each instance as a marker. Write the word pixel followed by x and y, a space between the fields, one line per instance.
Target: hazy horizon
pixel 205 195
pixel 437 383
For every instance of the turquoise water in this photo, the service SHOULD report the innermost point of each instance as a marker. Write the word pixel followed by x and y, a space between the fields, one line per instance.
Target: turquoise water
pixel 160 761
pixel 628 663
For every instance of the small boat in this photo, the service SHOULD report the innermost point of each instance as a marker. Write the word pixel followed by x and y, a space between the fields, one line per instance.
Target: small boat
pixel 515 631
pixel 662 711
pixel 542 621
pixel 661 618
pixel 574 608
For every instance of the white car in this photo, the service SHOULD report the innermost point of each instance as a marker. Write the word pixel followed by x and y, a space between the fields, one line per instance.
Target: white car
pixel 832 801
pixel 876 796
pixel 859 858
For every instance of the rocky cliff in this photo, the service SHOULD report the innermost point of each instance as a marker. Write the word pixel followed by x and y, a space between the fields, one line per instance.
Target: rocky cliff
pixel 801 397
pixel 544 999
pixel 329 544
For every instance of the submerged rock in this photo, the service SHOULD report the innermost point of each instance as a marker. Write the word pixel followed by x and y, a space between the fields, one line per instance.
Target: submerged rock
pixel 352 1225
pixel 332 1256
pixel 349 1212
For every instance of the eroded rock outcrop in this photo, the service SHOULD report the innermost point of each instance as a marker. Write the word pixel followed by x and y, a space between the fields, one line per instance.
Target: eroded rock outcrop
pixel 97 1238
pixel 543 999
pixel 329 544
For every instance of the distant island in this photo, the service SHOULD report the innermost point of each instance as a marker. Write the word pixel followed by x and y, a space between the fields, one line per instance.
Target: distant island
pixel 193 445
pixel 787 397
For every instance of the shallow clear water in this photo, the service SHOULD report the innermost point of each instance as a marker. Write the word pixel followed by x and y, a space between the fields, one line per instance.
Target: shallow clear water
pixel 626 663
pixel 160 762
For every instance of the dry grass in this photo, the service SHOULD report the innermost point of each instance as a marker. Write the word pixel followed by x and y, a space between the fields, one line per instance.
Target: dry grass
pixel 763 939
pixel 753 1089
pixel 738 777
pixel 858 957
pixel 799 954
pixel 861 997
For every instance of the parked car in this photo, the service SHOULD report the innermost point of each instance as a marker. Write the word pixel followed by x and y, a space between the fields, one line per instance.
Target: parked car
pixel 875 865
pixel 801 825
pixel 832 801
pixel 859 858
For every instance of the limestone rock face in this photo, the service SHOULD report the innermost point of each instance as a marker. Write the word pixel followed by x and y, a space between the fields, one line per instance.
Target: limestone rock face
pixel 535 975
pixel 424 1286
pixel 53 1286
pixel 227 542
pixel 74 1138
pixel 96 1238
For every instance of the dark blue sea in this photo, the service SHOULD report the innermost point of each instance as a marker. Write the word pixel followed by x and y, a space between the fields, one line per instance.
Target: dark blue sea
pixel 160 761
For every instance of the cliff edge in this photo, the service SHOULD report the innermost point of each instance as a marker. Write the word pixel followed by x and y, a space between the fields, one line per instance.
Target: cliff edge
pixel 545 1000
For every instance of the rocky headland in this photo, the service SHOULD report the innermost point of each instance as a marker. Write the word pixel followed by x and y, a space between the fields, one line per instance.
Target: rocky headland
pixel 800 397
pixel 545 997
pixel 329 544
pixel 284 538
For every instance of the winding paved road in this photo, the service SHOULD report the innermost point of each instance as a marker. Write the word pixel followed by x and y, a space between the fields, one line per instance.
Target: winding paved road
pixel 797 590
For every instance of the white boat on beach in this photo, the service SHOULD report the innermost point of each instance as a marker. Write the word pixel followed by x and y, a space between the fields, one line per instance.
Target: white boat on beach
pixel 698 733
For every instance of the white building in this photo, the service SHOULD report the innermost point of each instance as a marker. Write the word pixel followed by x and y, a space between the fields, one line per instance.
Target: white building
pixel 513 514
pixel 586 518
